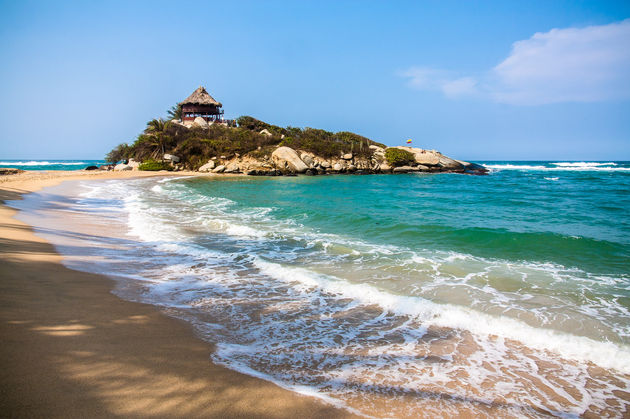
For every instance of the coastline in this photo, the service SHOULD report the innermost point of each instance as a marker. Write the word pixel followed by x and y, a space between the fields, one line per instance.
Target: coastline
pixel 72 348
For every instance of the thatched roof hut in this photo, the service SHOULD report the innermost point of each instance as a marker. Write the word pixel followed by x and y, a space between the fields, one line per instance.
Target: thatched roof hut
pixel 201 104
pixel 201 97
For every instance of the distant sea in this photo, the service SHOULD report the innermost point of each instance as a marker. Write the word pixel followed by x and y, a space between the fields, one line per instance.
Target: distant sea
pixel 50 164
pixel 390 295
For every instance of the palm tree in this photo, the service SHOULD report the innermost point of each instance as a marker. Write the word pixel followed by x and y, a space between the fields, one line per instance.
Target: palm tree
pixel 175 112
pixel 157 132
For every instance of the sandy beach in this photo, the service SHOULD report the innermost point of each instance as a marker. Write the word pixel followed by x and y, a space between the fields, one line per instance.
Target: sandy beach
pixel 73 349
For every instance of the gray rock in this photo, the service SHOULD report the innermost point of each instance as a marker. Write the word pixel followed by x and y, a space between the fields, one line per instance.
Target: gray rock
pixel 134 164
pixel 404 169
pixel 287 158
pixel 219 169
pixel 338 167
pixel 208 166
pixel 232 168
pixel 307 159
pixel 170 157
pixel 122 167
pixel 450 164
pixel 325 165
pixel 200 122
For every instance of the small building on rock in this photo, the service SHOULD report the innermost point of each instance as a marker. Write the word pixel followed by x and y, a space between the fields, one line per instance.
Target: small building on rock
pixel 201 104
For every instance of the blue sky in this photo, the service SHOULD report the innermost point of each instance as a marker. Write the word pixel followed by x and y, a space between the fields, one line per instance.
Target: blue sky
pixel 475 80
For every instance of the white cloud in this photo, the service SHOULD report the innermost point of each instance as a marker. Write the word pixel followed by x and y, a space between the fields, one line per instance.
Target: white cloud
pixel 424 78
pixel 563 65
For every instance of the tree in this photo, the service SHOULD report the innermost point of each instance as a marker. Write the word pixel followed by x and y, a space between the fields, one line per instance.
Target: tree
pixel 118 153
pixel 157 136
pixel 175 112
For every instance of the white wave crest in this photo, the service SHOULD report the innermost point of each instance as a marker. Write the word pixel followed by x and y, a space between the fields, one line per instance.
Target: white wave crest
pixel 40 163
pixel 604 354
pixel 572 167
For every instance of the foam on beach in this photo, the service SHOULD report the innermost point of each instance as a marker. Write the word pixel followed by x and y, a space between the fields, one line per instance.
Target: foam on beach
pixel 378 328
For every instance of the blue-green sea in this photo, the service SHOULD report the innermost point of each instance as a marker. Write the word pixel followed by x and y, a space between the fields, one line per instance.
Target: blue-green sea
pixel 505 295
pixel 26 164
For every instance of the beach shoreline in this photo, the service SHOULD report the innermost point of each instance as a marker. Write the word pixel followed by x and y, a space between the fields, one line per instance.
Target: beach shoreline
pixel 71 348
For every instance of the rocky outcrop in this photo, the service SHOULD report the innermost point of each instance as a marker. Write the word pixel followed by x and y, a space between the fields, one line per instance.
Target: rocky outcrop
pixel 208 166
pixel 287 161
pixel 122 167
pixel 285 158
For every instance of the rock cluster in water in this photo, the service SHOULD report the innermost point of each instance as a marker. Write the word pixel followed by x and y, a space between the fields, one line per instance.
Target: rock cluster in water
pixel 287 161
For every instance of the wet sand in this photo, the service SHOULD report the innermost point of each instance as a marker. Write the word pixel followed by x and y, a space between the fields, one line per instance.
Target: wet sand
pixel 70 348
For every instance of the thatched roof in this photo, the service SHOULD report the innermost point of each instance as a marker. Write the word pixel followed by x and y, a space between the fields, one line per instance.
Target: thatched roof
pixel 200 97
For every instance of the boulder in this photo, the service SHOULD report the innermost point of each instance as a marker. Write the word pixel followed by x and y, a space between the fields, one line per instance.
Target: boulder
pixel 310 172
pixel 376 148
pixel 347 156
pixel 307 159
pixel 122 167
pixel 218 169
pixel 352 168
pixel 325 165
pixel 427 158
pixel 200 122
pixel 232 168
pixel 404 169
pixel 91 168
pixel 266 133
pixel 287 158
pixel 385 168
pixel 168 157
pixel 338 167
pixel 207 167
pixel 450 164
pixel 134 164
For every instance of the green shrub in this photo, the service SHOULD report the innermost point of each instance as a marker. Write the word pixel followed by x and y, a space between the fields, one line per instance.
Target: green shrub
pixel 396 157
pixel 195 145
pixel 154 166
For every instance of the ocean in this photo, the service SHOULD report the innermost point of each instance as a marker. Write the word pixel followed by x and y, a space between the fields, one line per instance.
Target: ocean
pixel 50 164
pixel 389 295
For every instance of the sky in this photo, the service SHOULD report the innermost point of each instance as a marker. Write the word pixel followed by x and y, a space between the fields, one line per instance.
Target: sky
pixel 476 80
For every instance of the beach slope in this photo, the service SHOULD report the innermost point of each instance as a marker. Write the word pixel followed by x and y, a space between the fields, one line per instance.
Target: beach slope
pixel 72 349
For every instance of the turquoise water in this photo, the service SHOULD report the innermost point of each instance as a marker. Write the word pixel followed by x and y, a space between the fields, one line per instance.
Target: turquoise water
pixel 391 295
pixel 50 164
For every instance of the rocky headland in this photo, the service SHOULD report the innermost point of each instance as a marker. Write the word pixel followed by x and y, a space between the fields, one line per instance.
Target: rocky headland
pixel 260 149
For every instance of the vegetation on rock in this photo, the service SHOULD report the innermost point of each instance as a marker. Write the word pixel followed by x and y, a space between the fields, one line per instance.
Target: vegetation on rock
pixel 154 166
pixel 396 157
pixel 195 145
